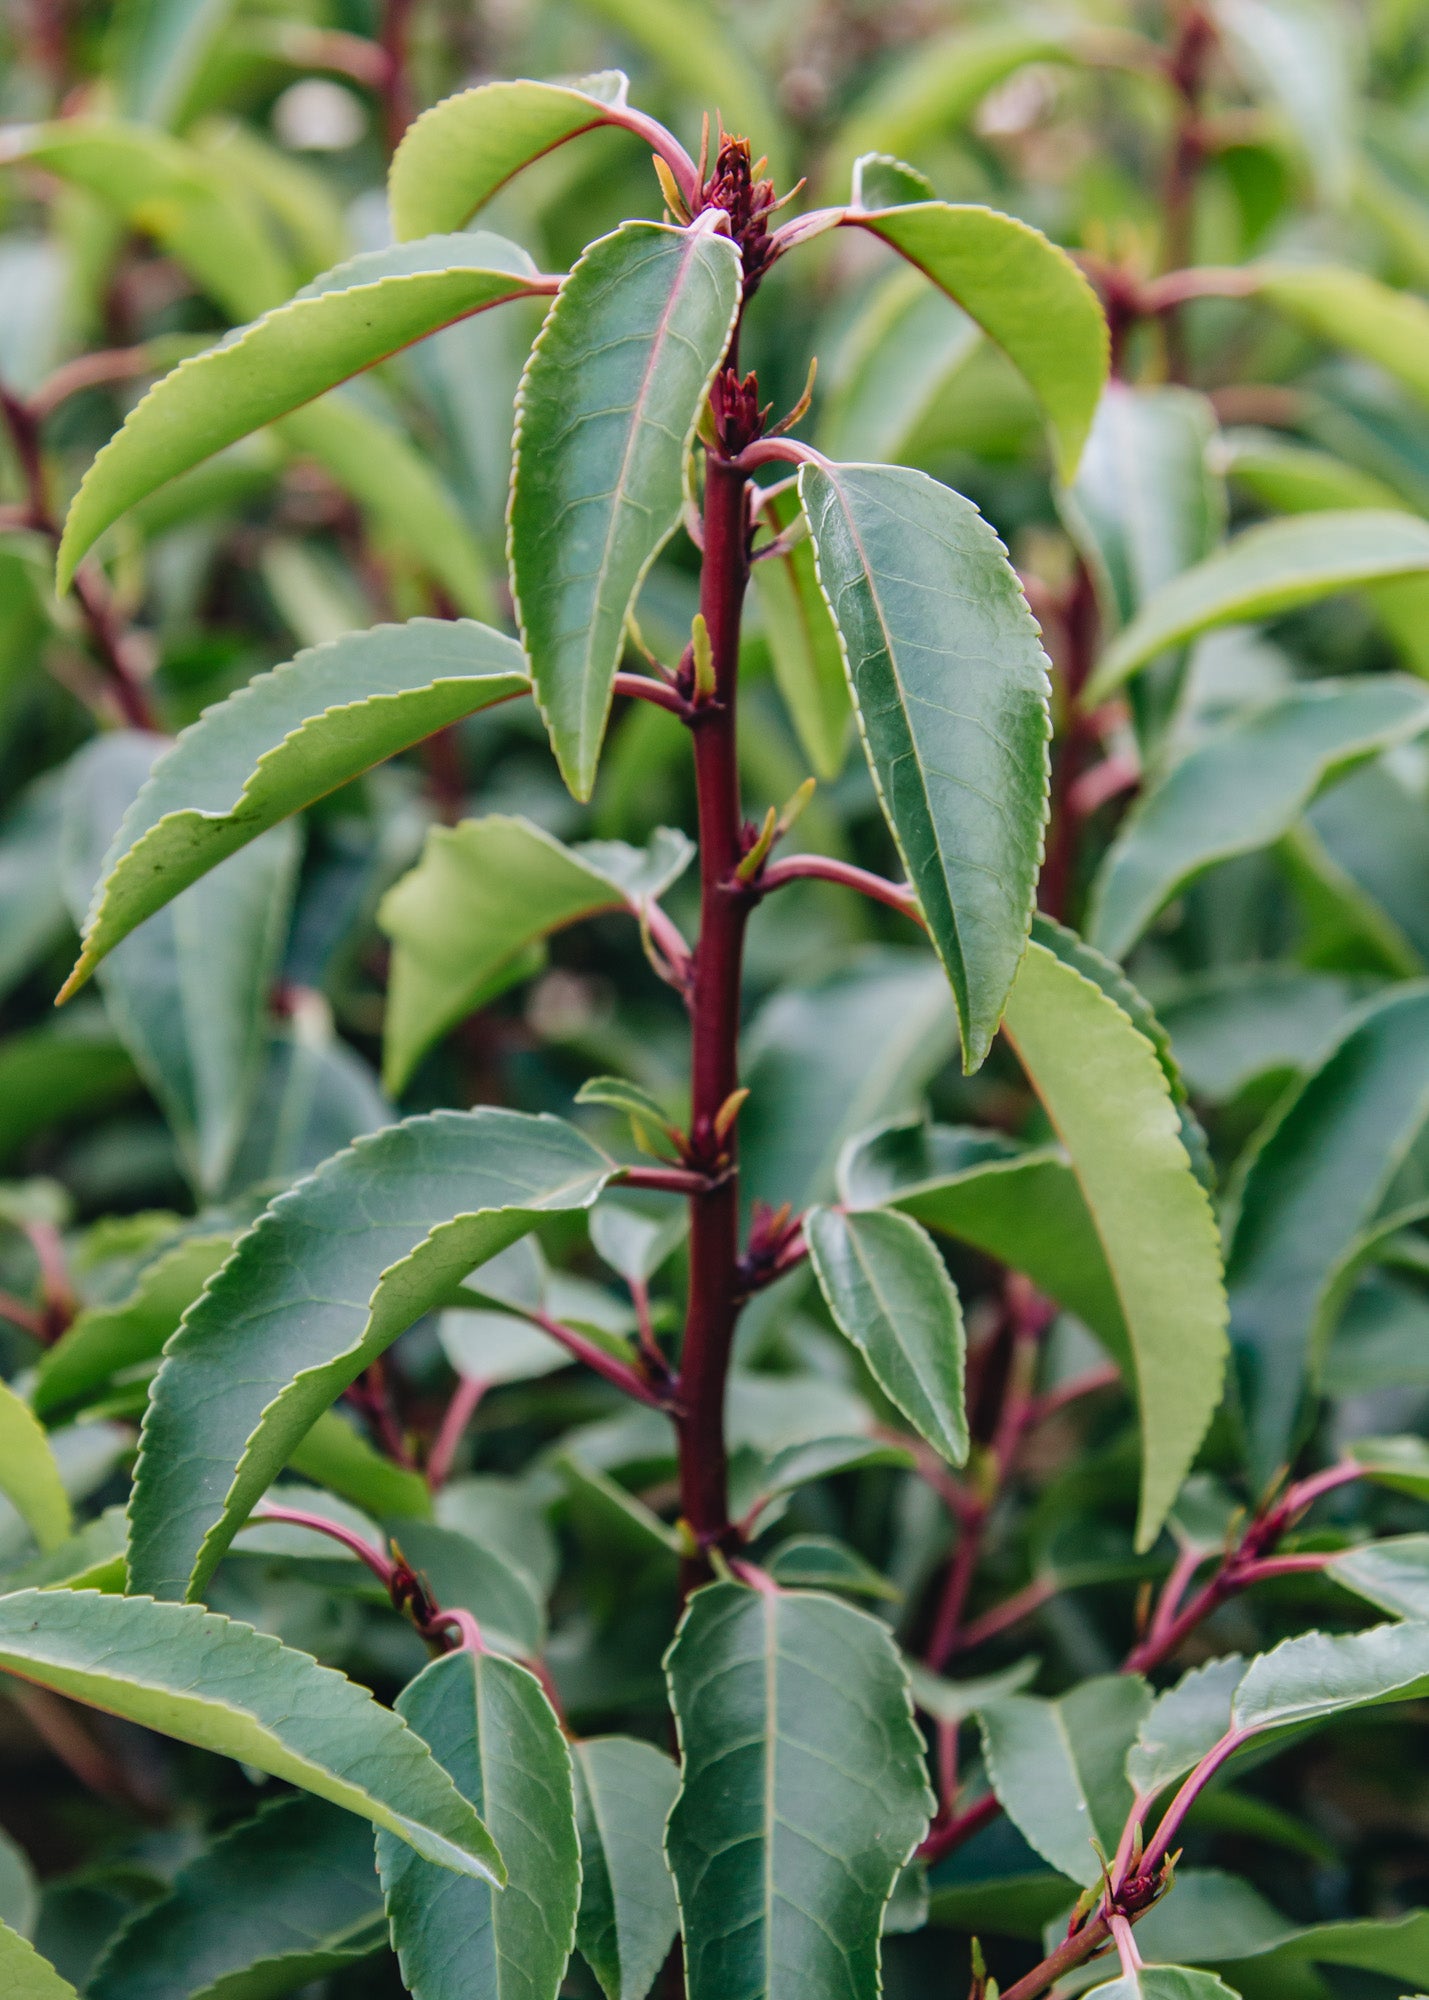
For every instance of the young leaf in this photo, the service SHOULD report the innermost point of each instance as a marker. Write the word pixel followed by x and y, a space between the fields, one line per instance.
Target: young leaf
pixel 1108 1098
pixel 1318 1174
pixel 1183 1724
pixel 890 1294
pixel 950 689
pixel 803 643
pixel 284 1898
pixel 224 1687
pixel 1241 790
pixel 29 1478
pixel 285 740
pixel 1059 1767
pixel 463 921
pixel 1392 1574
pixel 1026 295
pixel 607 409
pixel 628 1917
pixel 330 1275
pixel 491 1727
pixel 1266 570
pixel 345 321
pixel 27 1976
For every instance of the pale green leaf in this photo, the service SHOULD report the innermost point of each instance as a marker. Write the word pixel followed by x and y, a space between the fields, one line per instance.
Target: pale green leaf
pixel 1221 1917
pixel 1400 1463
pixel 29 1478
pixel 1351 309
pixel 1183 1724
pixel 464 1575
pixel 224 1687
pixel 628 1917
pixel 494 1347
pixel 157 49
pixel 605 417
pixel 1392 1574
pixel 91 1559
pixel 1300 55
pixel 803 643
pixel 1165 1982
pixel 892 369
pixel 331 1274
pixel 634 1243
pixel 27 1976
pixel 19 1891
pixel 1316 1677
pixel 333 1454
pixel 954 1701
pixel 1059 1767
pixel 822 1562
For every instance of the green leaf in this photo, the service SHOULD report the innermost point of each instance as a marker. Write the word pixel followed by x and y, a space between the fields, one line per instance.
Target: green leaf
pixel 822 1562
pixel 92 1559
pixel 462 922
pixel 1241 790
pixel 802 1792
pixel 890 1294
pixel 892 370
pixel 1221 1917
pixel 27 1976
pixel 157 49
pixel 224 1687
pixel 1314 1678
pixel 189 998
pixel 19 1891
pixel 1318 1174
pixel 1300 54
pixel 32 912
pixel 1353 310
pixel 1058 1767
pixel 950 689
pixel 505 1601
pixel 1165 1982
pixel 50 1075
pixel 1108 1098
pixel 1026 295
pixel 1400 1463
pixel 345 321
pixel 628 1917
pixel 491 1727
pixel 29 1478
pixel 1264 571
pixel 633 1243
pixel 1234 1023
pixel 604 420
pixel 333 1455
pixel 803 643
pixel 1183 1724
pixel 493 1347
pixel 331 1274
pixel 1392 1574
pixel 954 1701
pixel 286 1897
pixel 285 740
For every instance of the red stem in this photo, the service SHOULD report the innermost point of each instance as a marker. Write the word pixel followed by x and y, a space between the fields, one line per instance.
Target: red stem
pixel 458 1414
pixel 645 687
pixel 821 868
pixel 951 1833
pixel 594 1356
pixel 296 1517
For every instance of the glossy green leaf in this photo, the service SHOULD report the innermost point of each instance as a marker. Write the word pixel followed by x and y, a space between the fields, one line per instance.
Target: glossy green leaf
pixel 1026 295
pixel 803 643
pixel 1108 1099
pixel 950 689
pixel 1299 54
pixel 224 1687
pixel 802 1793
pixel 1183 1724
pixel 284 1898
pixel 280 743
pixel 606 413
pixel 491 1727
pixel 1241 790
pixel 628 1917
pixel 1316 1677
pixel 890 1294
pixel 463 921
pixel 29 1478
pixel 189 997
pixel 345 321
pixel 1317 1176
pixel 331 1274
pixel 1059 1767
pixel 1392 1574
pixel 27 1976
pixel 1266 570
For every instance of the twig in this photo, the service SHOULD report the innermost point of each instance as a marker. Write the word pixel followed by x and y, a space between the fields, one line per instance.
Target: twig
pixel 458 1414
pixel 822 868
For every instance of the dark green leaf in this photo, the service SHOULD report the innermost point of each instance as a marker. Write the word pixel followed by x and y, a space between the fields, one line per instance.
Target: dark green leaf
pixel 628 1917
pixel 1059 1767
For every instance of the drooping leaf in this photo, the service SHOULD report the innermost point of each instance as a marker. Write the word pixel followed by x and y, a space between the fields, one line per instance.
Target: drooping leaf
pixel 628 1917
pixel 463 921
pixel 27 1976
pixel 1026 295
pixel 224 1687
pixel 1266 570
pixel 1317 1175
pixel 802 1795
pixel 889 1292
pixel 950 689
pixel 803 643
pixel 331 1274
pixel 189 997
pixel 280 743
pixel 1059 1767
pixel 284 1898
pixel 1183 1724
pixel 1392 1574
pixel 1108 1098
pixel 606 412
pixel 1241 790
pixel 29 1478
pixel 345 321
pixel 491 1727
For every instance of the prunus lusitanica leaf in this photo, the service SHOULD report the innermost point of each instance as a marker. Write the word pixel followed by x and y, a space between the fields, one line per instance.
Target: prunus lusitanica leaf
pixel 1058 1767
pixel 26 1975
pixel 209 1681
pixel 1317 1175
pixel 803 643
pixel 284 1898
pixel 464 919
pixel 343 322
pixel 29 1477
pixel 1164 1982
pixel 1183 1724
pixel 1221 1917
pixel 889 1292
pixel 491 1727
pixel 1268 569
pixel 1392 1574
pixel 628 1916
pixel 922 93
pixel 1026 295
pixel 329 1276
pixel 1240 790
pixel 1109 1100
pixel 1354 310
pixel 803 1792
pixel 1301 56
pixel 280 743
pixel 950 689
pixel 1319 1675
pixel 604 419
